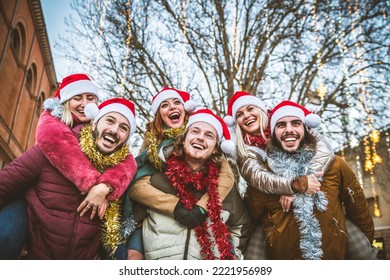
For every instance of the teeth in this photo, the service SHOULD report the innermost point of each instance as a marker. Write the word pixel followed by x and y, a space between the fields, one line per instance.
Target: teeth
pixel 197 146
pixel 110 139
pixel 250 122
pixel 289 139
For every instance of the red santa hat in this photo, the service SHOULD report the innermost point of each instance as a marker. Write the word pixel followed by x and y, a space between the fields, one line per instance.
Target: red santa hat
pixel 207 116
pixel 73 85
pixel 167 93
pixel 238 100
pixel 115 104
pixel 288 108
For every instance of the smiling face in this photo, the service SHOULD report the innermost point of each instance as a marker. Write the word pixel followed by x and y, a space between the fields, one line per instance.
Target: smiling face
pixel 172 112
pixel 77 104
pixel 248 118
pixel 289 132
pixel 111 132
pixel 200 143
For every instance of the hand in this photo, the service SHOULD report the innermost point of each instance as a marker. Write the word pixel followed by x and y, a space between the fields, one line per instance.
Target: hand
pixel 189 218
pixel 95 200
pixel 313 185
pixel 285 201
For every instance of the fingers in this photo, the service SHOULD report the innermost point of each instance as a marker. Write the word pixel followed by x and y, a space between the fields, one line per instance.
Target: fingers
pixel 93 212
pixel 85 206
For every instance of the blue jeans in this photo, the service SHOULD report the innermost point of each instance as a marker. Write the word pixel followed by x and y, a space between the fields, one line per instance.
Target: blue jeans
pixel 13 229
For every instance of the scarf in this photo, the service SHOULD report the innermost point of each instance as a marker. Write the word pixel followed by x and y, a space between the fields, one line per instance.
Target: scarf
pixel 182 179
pixel 292 166
pixel 111 225
pixel 258 140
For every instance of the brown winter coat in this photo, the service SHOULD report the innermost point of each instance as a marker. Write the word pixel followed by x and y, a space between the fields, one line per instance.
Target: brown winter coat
pixel 282 231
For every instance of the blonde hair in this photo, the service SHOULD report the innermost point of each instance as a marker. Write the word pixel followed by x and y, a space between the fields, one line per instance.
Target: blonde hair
pixel 66 114
pixel 241 147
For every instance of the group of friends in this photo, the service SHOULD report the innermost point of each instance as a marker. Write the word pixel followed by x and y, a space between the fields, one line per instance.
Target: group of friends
pixel 80 193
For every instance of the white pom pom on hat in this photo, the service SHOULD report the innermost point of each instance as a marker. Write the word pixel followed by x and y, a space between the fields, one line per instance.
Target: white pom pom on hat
pixel 206 115
pixel 190 106
pixel 91 110
pixel 229 120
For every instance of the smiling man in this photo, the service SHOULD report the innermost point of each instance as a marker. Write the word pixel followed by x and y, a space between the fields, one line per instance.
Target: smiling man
pixel 191 171
pixel 316 226
pixel 58 228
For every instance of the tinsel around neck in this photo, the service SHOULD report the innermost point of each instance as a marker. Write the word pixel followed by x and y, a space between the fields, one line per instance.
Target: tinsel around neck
pixel 153 146
pixel 181 178
pixel 111 225
pixel 292 166
pixel 100 161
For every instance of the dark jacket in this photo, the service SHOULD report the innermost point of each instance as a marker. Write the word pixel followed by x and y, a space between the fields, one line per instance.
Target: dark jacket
pixel 56 230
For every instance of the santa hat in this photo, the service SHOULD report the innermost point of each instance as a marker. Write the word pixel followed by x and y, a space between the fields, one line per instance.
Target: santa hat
pixel 73 85
pixel 238 100
pixel 115 104
pixel 207 116
pixel 288 108
pixel 167 93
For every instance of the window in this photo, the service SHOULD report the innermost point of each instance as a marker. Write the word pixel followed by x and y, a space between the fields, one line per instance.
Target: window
pixel 31 79
pixel 39 104
pixel 18 41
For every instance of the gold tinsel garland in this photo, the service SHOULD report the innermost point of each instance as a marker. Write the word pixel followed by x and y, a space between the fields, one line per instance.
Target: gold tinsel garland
pixel 170 133
pixel 111 225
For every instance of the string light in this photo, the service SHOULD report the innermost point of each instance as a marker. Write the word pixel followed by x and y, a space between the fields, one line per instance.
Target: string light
pixel 364 97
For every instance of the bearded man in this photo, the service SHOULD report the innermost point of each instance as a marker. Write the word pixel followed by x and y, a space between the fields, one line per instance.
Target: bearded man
pixel 316 226
pixel 58 226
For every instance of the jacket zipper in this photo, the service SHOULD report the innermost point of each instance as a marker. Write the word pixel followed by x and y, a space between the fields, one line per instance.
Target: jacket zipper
pixel 336 223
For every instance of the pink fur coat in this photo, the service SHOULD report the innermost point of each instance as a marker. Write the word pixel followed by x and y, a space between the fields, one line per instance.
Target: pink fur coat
pixel 61 148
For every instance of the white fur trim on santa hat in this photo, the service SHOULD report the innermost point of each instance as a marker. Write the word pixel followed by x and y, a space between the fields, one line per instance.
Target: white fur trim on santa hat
pixel 76 88
pixel 247 100
pixel 92 111
pixel 207 118
pixel 162 96
pixel 286 111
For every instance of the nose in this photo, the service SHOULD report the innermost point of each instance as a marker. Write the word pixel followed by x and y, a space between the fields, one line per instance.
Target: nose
pixel 200 137
pixel 289 127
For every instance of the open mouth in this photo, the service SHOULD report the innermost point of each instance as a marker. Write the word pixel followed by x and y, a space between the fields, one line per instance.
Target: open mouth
pixel 109 138
pixel 198 146
pixel 174 116
pixel 290 138
pixel 250 122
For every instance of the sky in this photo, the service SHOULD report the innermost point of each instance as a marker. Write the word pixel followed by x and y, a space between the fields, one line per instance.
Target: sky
pixel 54 12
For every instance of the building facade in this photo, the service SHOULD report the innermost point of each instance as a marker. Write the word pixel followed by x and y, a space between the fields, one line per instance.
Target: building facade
pixel 27 75
pixel 375 181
